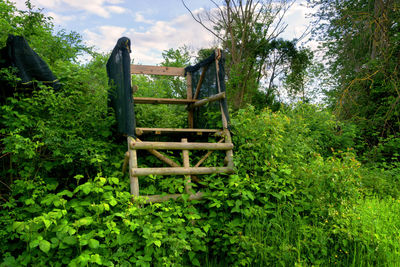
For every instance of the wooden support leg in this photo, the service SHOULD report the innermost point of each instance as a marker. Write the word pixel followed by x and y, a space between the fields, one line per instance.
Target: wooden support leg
pixel 133 164
pixel 186 164
pixel 229 153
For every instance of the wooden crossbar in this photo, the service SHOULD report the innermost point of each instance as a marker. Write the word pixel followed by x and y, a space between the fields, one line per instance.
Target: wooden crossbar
pixel 157 70
pixel 204 101
pixel 180 171
pixel 181 146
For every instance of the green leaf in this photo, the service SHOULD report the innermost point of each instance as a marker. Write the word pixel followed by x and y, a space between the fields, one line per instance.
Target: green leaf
pixel 114 180
pixel 93 243
pixel 96 259
pixel 157 243
pixel 44 245
pixel 70 240
pixel 46 222
pixel 113 202
pixel 195 262
pixel 34 243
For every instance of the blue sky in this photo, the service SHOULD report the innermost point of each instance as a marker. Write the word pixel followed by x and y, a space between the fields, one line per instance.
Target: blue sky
pixel 152 25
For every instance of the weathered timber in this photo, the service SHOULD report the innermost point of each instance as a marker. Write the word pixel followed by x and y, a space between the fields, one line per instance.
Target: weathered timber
pixel 229 153
pixel 180 171
pixel 186 164
pixel 189 97
pixel 206 155
pixel 132 165
pixel 141 131
pixel 157 70
pixel 200 82
pixel 172 101
pixel 181 146
pixel 161 156
pixel 204 101
pixel 162 198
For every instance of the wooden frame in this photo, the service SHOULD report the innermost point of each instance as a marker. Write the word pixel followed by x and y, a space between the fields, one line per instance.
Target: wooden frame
pixel 185 169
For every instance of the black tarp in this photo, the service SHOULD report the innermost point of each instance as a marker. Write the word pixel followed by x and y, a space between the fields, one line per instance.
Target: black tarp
pixel 120 96
pixel 30 67
pixel 202 117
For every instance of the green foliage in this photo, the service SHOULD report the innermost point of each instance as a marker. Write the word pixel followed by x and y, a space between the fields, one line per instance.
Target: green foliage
pixel 292 201
pixel 362 48
pixel 96 223
pixel 52 134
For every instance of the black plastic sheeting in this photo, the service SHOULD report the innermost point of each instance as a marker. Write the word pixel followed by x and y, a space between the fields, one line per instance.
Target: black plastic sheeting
pixel 29 65
pixel 120 96
pixel 204 116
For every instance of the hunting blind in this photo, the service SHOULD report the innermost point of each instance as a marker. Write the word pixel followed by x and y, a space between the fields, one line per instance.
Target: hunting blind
pixel 205 88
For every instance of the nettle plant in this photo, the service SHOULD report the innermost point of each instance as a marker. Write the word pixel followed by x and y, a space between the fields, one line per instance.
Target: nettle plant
pixel 96 223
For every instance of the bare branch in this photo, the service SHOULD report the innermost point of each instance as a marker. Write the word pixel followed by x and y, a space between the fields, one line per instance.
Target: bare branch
pixel 198 20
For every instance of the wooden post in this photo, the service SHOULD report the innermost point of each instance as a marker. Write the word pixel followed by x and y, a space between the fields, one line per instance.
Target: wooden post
pixel 186 164
pixel 218 56
pixel 229 153
pixel 198 87
pixel 134 181
pixel 189 97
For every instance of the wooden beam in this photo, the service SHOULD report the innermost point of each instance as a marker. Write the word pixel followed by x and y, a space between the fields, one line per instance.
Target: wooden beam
pixel 140 131
pixel 161 156
pixel 204 101
pixel 181 146
pixel 162 198
pixel 134 182
pixel 157 70
pixel 152 100
pixel 200 82
pixel 186 164
pixel 180 171
pixel 206 155
pixel 229 153
pixel 189 96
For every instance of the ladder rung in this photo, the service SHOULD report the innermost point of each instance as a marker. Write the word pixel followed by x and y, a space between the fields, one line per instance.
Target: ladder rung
pixel 180 171
pixel 181 146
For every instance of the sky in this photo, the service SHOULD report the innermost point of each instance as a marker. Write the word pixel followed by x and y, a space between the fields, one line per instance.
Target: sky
pixel 152 25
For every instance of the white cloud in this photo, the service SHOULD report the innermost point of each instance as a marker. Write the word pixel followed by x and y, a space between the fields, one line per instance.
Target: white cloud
pixel 147 45
pixel 60 19
pixel 104 38
pixel 102 8
pixel 140 18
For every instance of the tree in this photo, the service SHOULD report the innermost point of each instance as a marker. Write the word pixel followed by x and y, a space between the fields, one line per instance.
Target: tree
pixel 362 48
pixel 249 32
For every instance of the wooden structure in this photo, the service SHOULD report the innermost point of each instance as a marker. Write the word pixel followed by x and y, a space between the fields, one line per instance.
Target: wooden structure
pixel 185 169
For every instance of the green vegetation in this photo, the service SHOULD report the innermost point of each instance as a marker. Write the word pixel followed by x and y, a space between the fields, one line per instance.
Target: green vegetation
pixel 310 187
